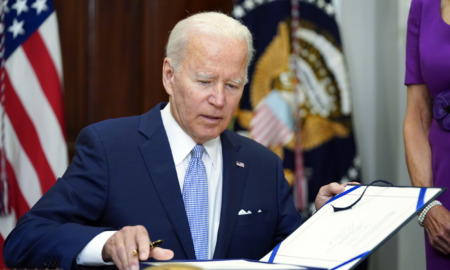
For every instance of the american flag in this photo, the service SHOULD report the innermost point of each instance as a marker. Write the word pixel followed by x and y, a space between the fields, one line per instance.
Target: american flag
pixel 32 136
pixel 268 108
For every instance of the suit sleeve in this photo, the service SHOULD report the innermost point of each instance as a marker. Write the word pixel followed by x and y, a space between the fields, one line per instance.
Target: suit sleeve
pixel 63 221
pixel 289 218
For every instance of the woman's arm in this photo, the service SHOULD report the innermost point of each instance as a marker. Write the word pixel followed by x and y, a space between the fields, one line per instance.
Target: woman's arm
pixel 418 159
pixel 416 127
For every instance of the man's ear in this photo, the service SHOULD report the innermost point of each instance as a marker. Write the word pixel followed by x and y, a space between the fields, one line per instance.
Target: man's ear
pixel 168 76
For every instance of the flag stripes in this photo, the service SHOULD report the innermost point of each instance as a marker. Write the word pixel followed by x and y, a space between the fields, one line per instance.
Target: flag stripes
pixel 50 37
pixel 33 124
pixel 27 135
pixel 267 129
pixel 18 202
pixel 23 176
pixel 38 109
pixel 46 73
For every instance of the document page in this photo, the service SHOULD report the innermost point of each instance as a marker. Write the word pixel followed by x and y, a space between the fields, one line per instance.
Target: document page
pixel 221 265
pixel 339 240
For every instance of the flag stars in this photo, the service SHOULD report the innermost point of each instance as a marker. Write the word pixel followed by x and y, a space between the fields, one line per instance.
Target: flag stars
pixel 329 9
pixel 249 4
pixel 321 3
pixel 324 5
pixel 357 162
pixel 40 5
pixel 16 28
pixel 20 6
pixel 312 58
pixel 238 12
pixel 344 180
pixel 353 173
pixel 318 65
pixel 4 6
pixel 304 53
pixel 241 10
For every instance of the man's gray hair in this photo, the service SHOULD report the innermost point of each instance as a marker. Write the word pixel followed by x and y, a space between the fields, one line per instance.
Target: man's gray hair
pixel 211 23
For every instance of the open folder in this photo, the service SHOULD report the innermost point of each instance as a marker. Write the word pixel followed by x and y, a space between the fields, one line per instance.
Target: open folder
pixel 343 232
pixel 341 239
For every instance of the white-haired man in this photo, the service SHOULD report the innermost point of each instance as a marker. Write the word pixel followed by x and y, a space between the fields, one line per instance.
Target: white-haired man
pixel 126 184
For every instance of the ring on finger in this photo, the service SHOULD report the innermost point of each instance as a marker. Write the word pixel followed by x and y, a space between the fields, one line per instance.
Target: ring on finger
pixel 135 252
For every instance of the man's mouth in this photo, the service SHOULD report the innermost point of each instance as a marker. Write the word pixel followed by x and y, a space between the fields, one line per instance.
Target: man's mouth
pixel 212 117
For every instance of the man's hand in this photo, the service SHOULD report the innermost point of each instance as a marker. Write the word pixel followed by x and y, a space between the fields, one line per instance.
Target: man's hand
pixel 119 248
pixel 437 226
pixel 328 191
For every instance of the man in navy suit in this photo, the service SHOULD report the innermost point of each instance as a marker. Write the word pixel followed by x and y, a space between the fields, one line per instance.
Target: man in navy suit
pixel 125 182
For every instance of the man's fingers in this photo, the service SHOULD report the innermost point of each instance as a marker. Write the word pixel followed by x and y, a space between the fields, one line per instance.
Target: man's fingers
pixel 136 243
pixel 162 254
pixel 115 250
pixel 123 256
pixel 352 183
pixel 123 247
pixel 327 192
pixel 130 245
pixel 337 188
pixel 143 243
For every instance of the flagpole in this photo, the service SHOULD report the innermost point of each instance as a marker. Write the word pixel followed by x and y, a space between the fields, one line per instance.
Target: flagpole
pixel 300 185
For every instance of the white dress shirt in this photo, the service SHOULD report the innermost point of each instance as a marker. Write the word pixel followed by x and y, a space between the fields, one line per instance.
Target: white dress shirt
pixel 180 145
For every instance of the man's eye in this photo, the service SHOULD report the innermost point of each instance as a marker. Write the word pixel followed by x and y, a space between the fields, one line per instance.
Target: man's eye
pixel 204 82
pixel 231 85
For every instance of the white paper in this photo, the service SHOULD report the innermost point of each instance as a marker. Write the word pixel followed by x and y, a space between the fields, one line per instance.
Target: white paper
pixel 229 264
pixel 329 239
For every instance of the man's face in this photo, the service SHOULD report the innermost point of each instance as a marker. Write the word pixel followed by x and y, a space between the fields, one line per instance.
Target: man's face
pixel 206 89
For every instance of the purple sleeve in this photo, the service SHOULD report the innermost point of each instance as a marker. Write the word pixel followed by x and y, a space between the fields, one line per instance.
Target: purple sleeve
pixel 413 73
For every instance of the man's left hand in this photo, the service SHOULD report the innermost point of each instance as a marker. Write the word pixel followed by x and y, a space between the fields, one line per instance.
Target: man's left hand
pixel 328 191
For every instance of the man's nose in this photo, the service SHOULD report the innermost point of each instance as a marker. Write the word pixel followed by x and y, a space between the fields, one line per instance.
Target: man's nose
pixel 217 96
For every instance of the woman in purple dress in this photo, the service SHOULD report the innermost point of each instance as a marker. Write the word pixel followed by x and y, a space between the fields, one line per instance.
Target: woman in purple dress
pixel 426 127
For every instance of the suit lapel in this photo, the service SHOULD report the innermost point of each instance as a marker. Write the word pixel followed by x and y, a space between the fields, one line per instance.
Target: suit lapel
pixel 234 178
pixel 158 158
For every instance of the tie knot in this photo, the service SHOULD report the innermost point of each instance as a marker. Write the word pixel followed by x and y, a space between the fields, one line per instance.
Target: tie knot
pixel 197 151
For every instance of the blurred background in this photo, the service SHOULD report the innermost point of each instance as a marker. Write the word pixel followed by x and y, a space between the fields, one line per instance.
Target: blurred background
pixel 112 53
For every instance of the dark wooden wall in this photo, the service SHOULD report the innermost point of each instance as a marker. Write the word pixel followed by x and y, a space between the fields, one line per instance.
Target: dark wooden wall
pixel 112 52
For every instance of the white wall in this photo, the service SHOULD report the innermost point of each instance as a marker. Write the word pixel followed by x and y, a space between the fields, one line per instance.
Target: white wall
pixel 373 33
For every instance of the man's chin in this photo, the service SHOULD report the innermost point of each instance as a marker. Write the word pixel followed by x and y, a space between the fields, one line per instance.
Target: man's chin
pixel 208 136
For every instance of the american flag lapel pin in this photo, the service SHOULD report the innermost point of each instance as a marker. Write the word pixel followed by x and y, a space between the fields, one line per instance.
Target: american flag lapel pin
pixel 240 164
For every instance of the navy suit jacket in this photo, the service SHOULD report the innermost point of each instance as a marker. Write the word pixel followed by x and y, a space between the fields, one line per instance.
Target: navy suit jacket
pixel 123 174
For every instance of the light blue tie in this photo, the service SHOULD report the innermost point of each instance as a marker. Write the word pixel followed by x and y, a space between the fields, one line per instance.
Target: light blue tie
pixel 195 196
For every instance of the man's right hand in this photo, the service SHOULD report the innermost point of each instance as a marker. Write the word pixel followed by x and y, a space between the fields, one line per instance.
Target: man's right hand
pixel 119 248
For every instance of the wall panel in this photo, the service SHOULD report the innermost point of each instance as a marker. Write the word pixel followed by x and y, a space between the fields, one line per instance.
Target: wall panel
pixel 112 54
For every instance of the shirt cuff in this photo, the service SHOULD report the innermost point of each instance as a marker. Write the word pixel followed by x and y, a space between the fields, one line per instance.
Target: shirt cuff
pixel 91 255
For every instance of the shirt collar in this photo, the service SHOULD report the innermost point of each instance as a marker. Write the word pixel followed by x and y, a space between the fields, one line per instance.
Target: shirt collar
pixel 180 142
